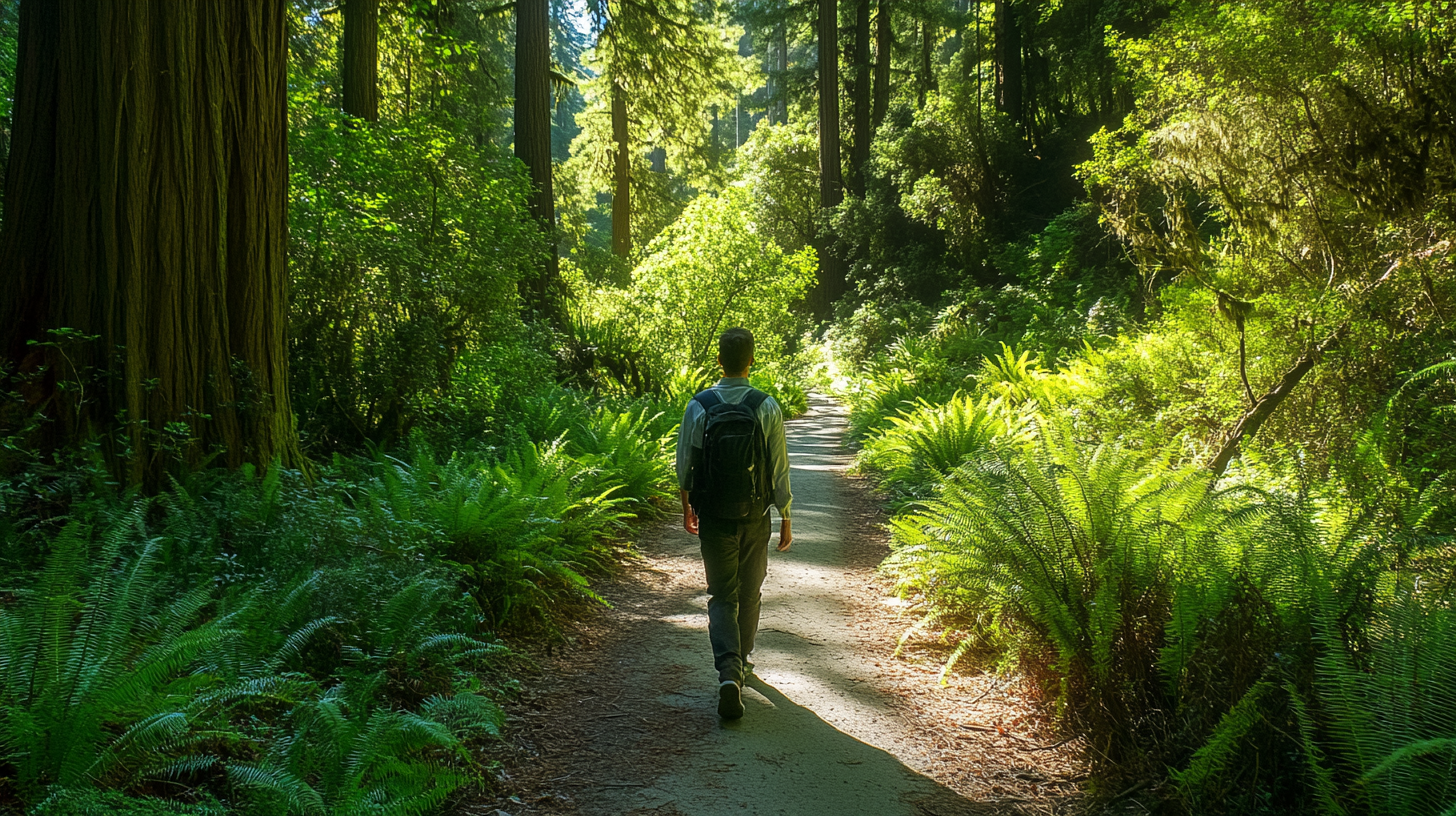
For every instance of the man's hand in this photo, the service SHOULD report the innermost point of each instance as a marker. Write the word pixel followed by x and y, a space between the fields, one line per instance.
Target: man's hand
pixel 690 518
pixel 786 538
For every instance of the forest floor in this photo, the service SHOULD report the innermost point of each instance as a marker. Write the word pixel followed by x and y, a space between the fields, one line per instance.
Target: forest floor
pixel 622 720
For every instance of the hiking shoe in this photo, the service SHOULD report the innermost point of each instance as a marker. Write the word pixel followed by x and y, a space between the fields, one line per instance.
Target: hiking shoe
pixel 730 700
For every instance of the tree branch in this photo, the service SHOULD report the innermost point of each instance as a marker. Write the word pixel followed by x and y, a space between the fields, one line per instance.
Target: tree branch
pixel 1254 418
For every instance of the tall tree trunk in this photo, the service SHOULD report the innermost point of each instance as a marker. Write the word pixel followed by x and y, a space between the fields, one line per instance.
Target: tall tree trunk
pixel 859 154
pixel 884 51
pixel 1008 60
pixel 360 64
pixel 145 206
pixel 715 150
pixel 831 280
pixel 533 133
pixel 621 176
pixel 778 111
pixel 927 61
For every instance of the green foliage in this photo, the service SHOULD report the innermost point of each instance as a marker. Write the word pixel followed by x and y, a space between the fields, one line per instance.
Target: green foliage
pixel 406 249
pixel 341 755
pixel 524 530
pixel 673 62
pixel 924 443
pixel 1278 651
pixel 1391 703
pixel 1319 236
pixel 630 446
pixel 780 166
pixel 711 270
pixel 90 802
pixel 100 675
pixel 786 383
pixel 310 639
pixel 1075 551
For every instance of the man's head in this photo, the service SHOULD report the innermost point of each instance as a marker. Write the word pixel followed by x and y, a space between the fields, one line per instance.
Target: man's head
pixel 735 352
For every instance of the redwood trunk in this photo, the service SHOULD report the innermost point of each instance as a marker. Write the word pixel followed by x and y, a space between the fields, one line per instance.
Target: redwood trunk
pixel 533 132
pixel 1008 61
pixel 145 206
pixel 831 186
pixel 927 60
pixel 859 154
pixel 360 69
pixel 621 176
pixel 779 102
pixel 884 51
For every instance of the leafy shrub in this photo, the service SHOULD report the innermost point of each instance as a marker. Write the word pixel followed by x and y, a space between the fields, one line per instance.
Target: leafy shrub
pixel 406 246
pixel 873 402
pixel 709 271
pixel 1390 707
pixel 628 448
pixel 263 629
pixel 786 384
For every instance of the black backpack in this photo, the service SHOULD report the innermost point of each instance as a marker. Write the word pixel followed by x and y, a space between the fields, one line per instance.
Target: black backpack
pixel 732 479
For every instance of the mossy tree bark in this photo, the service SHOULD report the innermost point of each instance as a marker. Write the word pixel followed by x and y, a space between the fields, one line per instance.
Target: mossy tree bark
pixel 145 206
pixel 533 132
pixel 360 64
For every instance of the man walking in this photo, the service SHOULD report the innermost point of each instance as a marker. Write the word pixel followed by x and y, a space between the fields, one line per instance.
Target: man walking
pixel 732 463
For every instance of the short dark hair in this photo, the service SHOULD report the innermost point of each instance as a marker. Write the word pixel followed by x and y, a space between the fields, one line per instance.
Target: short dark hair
pixel 735 350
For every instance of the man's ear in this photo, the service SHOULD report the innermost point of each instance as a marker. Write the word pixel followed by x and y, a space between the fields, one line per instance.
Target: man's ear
pixel 720 362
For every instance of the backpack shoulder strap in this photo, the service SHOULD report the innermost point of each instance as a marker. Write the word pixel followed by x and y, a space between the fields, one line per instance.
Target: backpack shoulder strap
pixel 753 399
pixel 707 398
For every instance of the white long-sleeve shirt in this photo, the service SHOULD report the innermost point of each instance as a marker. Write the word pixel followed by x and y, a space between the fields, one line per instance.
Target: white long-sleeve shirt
pixel 732 390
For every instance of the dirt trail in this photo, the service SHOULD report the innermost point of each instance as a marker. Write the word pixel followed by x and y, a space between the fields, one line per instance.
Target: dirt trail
pixel 625 722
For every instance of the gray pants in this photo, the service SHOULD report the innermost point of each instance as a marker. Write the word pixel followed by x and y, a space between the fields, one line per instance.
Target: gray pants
pixel 735 558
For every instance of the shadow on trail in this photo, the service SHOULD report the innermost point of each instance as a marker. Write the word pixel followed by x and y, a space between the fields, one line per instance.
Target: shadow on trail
pixel 789 761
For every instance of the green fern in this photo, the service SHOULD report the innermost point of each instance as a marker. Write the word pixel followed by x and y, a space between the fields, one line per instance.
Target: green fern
pixel 1392 704
pixel 1213 759
pixel 874 401
pixel 99 677
pixel 343 757
pixel 622 446
pixel 1075 549
pixel 1015 378
pixel 524 531
pixel 90 802
pixel 926 442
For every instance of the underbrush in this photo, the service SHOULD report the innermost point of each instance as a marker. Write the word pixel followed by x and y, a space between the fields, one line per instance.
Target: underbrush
pixel 1272 641
pixel 259 642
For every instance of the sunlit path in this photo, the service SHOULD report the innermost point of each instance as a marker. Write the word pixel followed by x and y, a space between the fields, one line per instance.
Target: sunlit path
pixel 817 739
